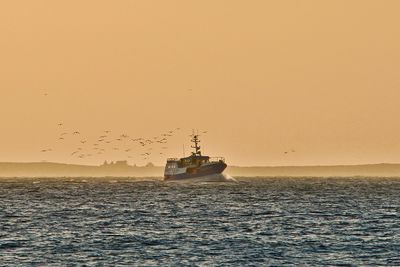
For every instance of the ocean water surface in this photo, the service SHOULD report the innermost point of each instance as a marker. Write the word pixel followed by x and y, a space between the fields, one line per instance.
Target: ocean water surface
pixel 257 221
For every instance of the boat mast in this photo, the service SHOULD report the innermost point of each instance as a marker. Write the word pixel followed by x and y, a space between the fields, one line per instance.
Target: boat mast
pixel 196 141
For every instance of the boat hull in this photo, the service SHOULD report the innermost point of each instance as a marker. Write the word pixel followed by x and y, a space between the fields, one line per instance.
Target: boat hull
pixel 205 171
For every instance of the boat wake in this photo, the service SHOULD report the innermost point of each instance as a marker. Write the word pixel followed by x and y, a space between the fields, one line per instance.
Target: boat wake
pixel 221 177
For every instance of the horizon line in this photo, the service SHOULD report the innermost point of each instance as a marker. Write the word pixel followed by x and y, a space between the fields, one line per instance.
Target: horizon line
pixel 239 166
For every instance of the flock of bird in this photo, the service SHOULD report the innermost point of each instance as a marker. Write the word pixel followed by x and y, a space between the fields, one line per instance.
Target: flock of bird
pixel 108 142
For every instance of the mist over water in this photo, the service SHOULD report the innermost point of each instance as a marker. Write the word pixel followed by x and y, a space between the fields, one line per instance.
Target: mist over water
pixel 278 221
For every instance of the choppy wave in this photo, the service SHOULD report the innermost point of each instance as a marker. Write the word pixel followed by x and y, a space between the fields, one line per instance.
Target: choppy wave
pixel 257 221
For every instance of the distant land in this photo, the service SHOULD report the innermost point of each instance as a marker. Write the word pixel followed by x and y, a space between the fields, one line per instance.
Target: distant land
pixel 123 169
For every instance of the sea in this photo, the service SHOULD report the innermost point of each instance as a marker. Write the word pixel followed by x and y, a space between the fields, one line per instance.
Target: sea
pixel 146 222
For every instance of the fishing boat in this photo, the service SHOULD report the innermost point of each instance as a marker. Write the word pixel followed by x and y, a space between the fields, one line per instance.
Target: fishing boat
pixel 196 167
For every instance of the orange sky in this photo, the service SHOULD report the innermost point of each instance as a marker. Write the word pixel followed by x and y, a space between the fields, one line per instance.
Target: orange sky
pixel 263 77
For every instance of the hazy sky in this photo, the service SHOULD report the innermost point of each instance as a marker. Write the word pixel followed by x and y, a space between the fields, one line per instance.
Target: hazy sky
pixel 262 77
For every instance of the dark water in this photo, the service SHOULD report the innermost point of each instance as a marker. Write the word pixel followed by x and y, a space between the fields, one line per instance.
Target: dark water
pixel 271 221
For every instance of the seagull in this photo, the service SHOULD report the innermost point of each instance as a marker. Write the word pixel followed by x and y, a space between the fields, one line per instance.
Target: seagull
pixel 63 134
pixel 127 150
pixel 83 141
pixel 61 138
pixel 60 124
pixel 76 132
pixel 73 153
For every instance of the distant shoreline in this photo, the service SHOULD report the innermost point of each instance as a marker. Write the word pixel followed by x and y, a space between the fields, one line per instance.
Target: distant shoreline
pixel 122 169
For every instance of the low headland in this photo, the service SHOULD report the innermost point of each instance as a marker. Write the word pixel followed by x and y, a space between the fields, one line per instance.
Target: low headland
pixel 123 169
